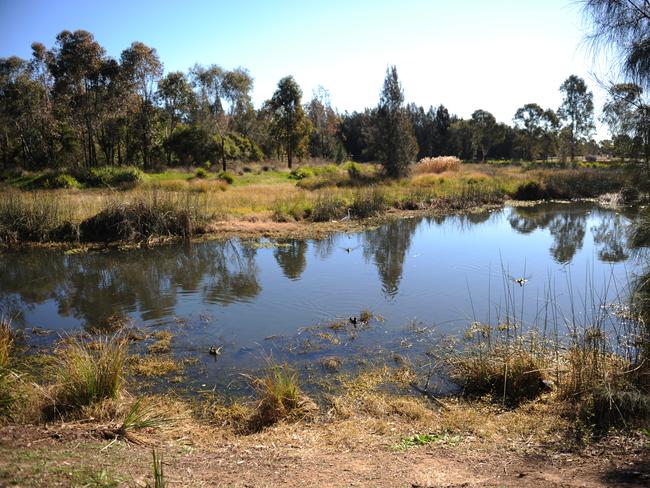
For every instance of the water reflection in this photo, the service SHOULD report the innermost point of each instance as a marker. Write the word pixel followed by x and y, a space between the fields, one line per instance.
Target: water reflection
pixel 97 287
pixel 290 256
pixel 387 246
pixel 261 289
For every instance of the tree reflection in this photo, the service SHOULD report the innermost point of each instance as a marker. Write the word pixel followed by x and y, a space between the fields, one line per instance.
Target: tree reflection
pixel 290 256
pixel 95 288
pixel 611 235
pixel 388 246
pixel 566 224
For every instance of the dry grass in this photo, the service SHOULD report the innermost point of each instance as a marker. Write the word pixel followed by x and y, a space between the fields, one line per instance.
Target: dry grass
pixel 163 343
pixel 437 165
pixel 150 366
pixel 7 338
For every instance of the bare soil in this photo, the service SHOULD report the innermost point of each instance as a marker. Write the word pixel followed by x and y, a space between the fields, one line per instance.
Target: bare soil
pixel 357 452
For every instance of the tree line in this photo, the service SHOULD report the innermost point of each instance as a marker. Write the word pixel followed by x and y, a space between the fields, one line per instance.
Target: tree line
pixel 75 106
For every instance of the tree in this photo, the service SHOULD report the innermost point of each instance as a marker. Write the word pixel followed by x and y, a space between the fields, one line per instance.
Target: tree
pixel 486 133
pixel 290 126
pixel 576 112
pixel 529 119
pixel 395 140
pixel 325 121
pixel 177 97
pixel 142 70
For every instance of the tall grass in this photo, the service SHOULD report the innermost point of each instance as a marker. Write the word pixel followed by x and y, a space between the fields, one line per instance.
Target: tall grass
pixel 437 165
pixel 86 374
pixel 280 397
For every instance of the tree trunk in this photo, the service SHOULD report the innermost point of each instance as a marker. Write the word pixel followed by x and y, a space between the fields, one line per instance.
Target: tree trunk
pixel 223 154
pixel 289 155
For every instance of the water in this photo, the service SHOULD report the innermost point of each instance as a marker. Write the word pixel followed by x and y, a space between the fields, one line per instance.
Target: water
pixel 256 299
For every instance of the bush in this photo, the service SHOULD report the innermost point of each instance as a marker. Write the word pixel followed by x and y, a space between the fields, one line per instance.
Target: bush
pixel 141 220
pixel 291 209
pixel 437 165
pixel 368 203
pixel 353 169
pixel 530 190
pixel 201 173
pixel 328 207
pixel 301 173
pixel 88 375
pixel 110 176
pixel 227 177
pixel 64 181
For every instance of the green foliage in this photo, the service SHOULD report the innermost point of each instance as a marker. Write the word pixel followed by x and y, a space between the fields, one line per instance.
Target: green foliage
pixel 86 375
pixel 395 140
pixel 353 169
pixel 301 173
pixel 227 177
pixel 291 209
pixel 419 440
pixel 158 474
pixel 201 173
pixel 111 176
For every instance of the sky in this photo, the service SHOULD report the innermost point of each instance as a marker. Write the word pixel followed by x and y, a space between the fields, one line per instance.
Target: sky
pixel 494 55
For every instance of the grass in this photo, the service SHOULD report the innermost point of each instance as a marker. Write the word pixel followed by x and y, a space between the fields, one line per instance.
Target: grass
pixel 150 366
pixel 86 375
pixel 437 165
pixel 177 204
pixel 162 344
pixel 279 397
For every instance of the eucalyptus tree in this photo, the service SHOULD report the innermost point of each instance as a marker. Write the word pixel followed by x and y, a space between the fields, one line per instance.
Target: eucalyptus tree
pixel 395 141
pixel 576 112
pixel 75 63
pixel 142 69
pixel 177 98
pixel 486 133
pixel 290 126
pixel 529 120
pixel 622 112
pixel 325 122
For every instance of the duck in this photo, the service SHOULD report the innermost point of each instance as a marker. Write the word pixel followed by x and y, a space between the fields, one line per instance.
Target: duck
pixel 353 320
pixel 520 281
pixel 214 350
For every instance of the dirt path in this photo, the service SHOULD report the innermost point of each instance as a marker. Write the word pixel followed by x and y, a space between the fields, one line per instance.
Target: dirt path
pixel 304 457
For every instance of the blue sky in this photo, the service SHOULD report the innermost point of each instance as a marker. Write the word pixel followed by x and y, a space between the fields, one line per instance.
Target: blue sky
pixel 494 55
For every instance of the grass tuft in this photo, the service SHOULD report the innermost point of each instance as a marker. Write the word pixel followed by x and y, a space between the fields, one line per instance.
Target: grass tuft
pixel 88 375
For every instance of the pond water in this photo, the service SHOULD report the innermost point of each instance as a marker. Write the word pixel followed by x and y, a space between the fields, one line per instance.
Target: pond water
pixel 546 264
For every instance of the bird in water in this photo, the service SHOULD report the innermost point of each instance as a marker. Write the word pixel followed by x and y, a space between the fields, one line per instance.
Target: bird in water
pixel 349 249
pixel 520 281
pixel 353 320
pixel 215 351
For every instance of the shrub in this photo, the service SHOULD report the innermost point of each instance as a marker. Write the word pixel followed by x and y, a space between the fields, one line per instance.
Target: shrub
pixel 64 181
pixel 110 176
pixel 141 220
pixel 201 173
pixel 328 207
pixel 437 165
pixel 353 169
pixel 301 173
pixel 530 190
pixel 86 375
pixel 367 203
pixel 291 209
pixel 227 177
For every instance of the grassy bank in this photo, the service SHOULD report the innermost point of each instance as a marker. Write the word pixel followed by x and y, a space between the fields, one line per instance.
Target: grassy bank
pixel 184 204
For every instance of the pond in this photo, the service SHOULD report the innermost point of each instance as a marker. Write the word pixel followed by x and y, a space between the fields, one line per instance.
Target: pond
pixel 545 265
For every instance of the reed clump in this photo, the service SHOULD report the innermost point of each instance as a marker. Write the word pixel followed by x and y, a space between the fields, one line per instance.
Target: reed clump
pixel 280 398
pixel 509 370
pixel 88 374
pixel 158 216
